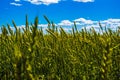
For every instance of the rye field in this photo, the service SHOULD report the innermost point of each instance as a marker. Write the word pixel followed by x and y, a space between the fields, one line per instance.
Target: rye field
pixel 31 54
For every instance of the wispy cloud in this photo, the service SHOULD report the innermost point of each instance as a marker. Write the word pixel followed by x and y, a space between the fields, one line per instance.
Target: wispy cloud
pixel 45 2
pixel 16 4
pixel 84 0
pixel 17 0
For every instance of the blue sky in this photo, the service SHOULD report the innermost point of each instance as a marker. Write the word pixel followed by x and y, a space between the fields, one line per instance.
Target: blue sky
pixel 62 12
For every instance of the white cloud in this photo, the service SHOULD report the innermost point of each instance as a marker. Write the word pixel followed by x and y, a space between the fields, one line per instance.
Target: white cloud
pixel 82 23
pixel 67 29
pixel 65 23
pixel 43 25
pixel 16 4
pixel 21 26
pixel 46 2
pixel 95 26
pixel 109 21
pixel 83 20
pixel 84 0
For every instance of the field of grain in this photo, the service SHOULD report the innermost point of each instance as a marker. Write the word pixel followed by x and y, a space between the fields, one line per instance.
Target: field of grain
pixel 58 55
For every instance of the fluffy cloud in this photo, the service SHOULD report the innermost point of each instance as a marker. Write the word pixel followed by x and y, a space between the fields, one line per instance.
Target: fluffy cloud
pixel 84 0
pixel 109 21
pixel 16 4
pixel 65 23
pixel 84 21
pixel 88 24
pixel 46 2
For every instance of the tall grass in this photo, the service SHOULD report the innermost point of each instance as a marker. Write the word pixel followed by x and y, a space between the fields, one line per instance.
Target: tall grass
pixel 57 55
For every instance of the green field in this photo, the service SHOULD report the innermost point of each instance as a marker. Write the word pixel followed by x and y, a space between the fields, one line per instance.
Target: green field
pixel 29 54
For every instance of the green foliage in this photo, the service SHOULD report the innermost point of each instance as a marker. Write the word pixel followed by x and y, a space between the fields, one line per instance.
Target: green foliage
pixel 57 55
